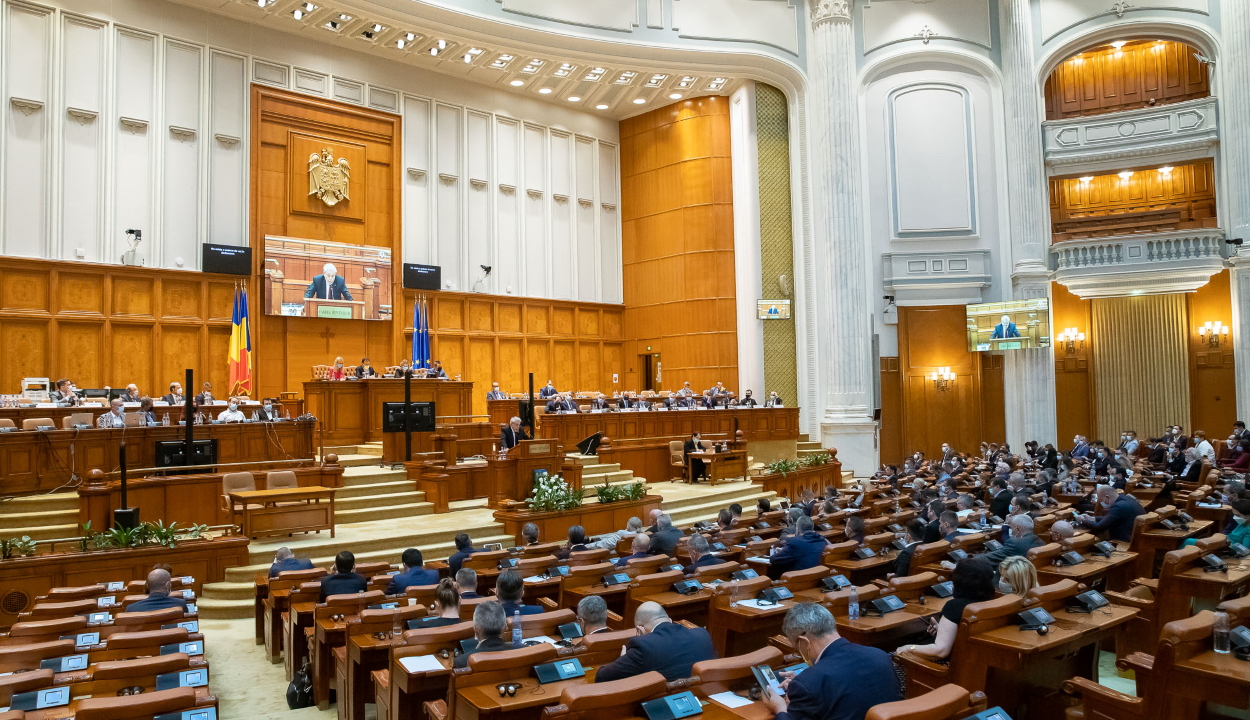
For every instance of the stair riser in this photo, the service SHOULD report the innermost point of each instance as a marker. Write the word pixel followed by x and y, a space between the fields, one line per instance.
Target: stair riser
pixel 380 502
pixel 388 488
pixel 386 513
pixel 15 522
pixel 23 506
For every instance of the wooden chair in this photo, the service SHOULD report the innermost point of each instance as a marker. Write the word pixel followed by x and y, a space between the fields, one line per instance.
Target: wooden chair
pixel 36 423
pixel 797 580
pixel 469 605
pixel 587 557
pixel 732 673
pixel 676 460
pixel 352 681
pixel 948 702
pixel 130 645
pixel 582 577
pixel 719 571
pixel 52 610
pixel 643 566
pixel 136 707
pixel 550 548
pixel 547 623
pixel 422 594
pixel 929 555
pixel 236 482
pixel 604 647
pixel 925 675
pixel 1043 555
pixel 24 657
pixel 429 686
pixel 34 631
pixel 910 587
pixel 489 669
pixel 278 479
pixel 614 700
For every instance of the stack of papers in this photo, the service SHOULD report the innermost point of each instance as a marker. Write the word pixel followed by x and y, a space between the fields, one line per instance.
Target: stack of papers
pixel 759 605
pixel 730 700
pixel 421 663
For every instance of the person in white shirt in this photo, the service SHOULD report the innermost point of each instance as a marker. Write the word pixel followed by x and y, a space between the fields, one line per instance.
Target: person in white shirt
pixel 232 413
pixel 114 418
pixel 1204 447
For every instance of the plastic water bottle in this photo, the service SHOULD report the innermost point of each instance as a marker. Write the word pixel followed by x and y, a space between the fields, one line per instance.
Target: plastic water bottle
pixel 516 629
pixel 397 628
pixel 165 420
pixel 1221 633
pixel 852 604
pixel 733 594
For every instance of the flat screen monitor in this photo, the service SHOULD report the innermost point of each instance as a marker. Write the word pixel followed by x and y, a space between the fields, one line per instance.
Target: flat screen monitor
pixel 321 279
pixel 225 259
pixel 421 419
pixel 1016 325
pixel 172 453
pixel 422 277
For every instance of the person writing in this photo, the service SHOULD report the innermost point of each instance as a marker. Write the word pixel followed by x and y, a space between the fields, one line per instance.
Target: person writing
pixel 329 285
pixel 365 370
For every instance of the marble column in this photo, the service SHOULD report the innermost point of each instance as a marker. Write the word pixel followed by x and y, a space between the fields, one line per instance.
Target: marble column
pixel 1232 75
pixel 1028 375
pixel 844 317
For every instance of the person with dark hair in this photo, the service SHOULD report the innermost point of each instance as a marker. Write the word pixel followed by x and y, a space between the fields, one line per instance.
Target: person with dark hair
pixel 802 551
pixel 948 525
pixel 735 509
pixel 446 608
pixel 762 506
pixel 530 533
pixel 414 573
pixel 915 535
pixel 855 529
pixel 510 589
pixel 345 579
pixel 576 543
pixel 724 520
pixel 933 511
pixel 1001 504
pixel 489 625
pixel 464 548
pixel 973 581
pixel 700 554
pixel 693 445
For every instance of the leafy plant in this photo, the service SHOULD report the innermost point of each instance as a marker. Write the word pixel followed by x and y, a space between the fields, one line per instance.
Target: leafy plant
pixel 608 493
pixel 783 466
pixel 161 534
pixel 552 493
pixel 17 547
pixel 635 491
pixel 814 460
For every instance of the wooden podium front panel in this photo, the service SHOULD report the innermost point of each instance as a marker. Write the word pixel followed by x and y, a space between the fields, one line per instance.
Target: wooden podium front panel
pixel 350 411
pixel 757 424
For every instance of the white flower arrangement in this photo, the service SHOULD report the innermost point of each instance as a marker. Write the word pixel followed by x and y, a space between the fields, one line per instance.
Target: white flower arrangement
pixel 552 493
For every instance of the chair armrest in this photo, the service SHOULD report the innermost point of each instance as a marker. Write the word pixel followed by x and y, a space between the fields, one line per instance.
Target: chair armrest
pixel 1089 690
pixel 883 584
pixel 548 603
pixel 613 617
pixel 555 710
pixel 782 643
pixel 911 660
pixel 1118 598
pixel 1138 662
pixel 436 709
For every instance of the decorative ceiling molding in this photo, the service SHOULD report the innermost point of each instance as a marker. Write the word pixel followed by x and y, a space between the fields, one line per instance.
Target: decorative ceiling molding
pixel 534 194
pixel 507 189
pixel 26 107
pixel 828 11
pixel 80 116
pixel 478 184
pixel 448 178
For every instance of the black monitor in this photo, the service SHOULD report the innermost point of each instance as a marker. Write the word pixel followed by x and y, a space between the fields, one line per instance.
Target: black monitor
pixel 422 277
pixel 172 453
pixel 421 418
pixel 226 259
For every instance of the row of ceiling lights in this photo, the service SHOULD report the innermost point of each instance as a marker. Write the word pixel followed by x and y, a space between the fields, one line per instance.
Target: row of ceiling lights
pixel 1118 45
pixel 1124 175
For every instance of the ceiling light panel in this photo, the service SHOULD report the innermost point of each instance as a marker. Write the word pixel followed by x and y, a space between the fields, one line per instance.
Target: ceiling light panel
pixel 532 66
pixel 594 74
pixel 626 77
pixel 687 82
pixel 656 80
pixel 502 61
pixel 564 70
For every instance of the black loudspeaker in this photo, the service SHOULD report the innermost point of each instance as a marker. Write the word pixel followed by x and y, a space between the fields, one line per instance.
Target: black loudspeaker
pixel 127 518
pixel 590 446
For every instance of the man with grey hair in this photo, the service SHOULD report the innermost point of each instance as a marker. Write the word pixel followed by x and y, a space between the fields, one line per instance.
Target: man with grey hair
pixel 1061 530
pixel 1122 509
pixel 284 561
pixel 466 583
pixel 530 533
pixel 642 542
pixel 329 285
pixel 661 645
pixel 802 551
pixel 512 434
pixel 843 680
pixel 700 554
pixel 664 539
pixel 158 594
pixel 592 615
pixel 1019 542
pixel 632 527
pixel 489 625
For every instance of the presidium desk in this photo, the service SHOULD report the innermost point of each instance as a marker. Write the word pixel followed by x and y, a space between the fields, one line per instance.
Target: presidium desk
pixel 350 411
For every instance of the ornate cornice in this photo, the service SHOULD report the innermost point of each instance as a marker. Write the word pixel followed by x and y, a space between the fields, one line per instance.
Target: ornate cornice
pixel 828 11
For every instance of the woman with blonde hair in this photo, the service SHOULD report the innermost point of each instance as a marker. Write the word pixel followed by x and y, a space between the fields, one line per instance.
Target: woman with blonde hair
pixel 1017 575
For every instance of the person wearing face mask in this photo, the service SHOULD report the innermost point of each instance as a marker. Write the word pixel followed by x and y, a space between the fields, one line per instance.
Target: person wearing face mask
pixel 1117 523
pixel 175 394
pixel 336 370
pixel 1205 450
pixel 1238 461
pixel 206 396
pixel 268 413
pixel 843 680
pixel 365 369
pixel 232 413
pixel 495 393
pixel 404 366
pixel 1128 442
pixel 747 400
pixel 774 400
pixel 693 445
pixel 1080 448
pixel 114 418
pixel 1101 461
pixel 1240 533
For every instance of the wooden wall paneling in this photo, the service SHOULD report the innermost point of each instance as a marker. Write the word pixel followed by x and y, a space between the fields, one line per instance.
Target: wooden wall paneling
pixel 892 450
pixel 932 337
pixel 1144 72
pixel 993 402
pixel 1188 189
pixel 1212 378
pixel 1074 375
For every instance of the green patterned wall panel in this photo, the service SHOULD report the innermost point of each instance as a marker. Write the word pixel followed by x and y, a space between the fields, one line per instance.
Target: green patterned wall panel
pixel 776 237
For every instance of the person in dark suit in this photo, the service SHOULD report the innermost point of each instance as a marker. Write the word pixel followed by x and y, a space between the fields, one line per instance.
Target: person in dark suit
pixel 700 554
pixel 466 583
pixel 1001 504
pixel 697 469
pixel 365 370
pixel 436 371
pixel 329 285
pixel 206 395
pixel 446 608
pixel 414 573
pixel 146 415
pixel 569 404
pixel 1121 511
pixel 404 366
pixel 512 434
pixel 554 405
pixel 489 624
pixel 641 543
pixel 175 396
pixel 548 391
pixel 345 579
pixel 661 645
pixel 711 401
pixel 267 412
pixel 774 400
pixel 855 529
pixel 576 543
pixel 284 560
pixel 464 548
pixel 664 540
pixel 1005 329
pixel 598 403
pixel 802 551
pixel 64 395
pixel 843 680
pixel 915 534
pixel 131 394
pixel 158 594
pixel 747 400
pixel 1019 542
pixel 510 589
pixel 948 525
pixel 933 521
pixel 1239 433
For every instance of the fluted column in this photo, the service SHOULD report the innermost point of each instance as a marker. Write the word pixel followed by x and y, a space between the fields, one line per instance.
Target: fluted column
pixel 1029 375
pixel 844 319
pixel 1233 86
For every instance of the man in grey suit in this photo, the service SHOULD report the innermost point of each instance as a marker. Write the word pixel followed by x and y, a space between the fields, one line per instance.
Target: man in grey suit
pixel 496 393
pixel 1020 542
pixel 664 541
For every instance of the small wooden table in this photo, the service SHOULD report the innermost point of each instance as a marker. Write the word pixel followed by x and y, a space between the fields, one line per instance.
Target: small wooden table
pixel 1158 539
pixel 284 511
pixel 718 466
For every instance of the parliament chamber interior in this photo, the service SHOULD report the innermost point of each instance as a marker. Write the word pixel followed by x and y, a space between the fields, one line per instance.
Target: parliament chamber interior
pixel 624 360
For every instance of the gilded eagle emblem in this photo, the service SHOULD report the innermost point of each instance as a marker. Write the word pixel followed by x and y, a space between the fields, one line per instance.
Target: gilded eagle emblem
pixel 328 179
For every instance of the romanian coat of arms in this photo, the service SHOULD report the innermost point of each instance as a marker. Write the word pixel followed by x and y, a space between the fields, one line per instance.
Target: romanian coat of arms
pixel 327 179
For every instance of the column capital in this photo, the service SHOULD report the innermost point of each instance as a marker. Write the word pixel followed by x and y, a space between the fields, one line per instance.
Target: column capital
pixel 828 11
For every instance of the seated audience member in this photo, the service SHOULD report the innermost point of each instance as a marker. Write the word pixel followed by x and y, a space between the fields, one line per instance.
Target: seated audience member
pixel 639 550
pixel 843 680
pixel 1019 540
pixel 345 579
pixel 114 418
pixel 232 413
pixel 530 533
pixel 932 520
pixel 489 625
pixel 654 517
pixel 948 525
pixel 800 552
pixel 446 606
pixel 1240 534
pixel 1017 575
pixel 661 645
pixel 1118 520
pixel 915 535
pixel 855 529
pixel 466 583
pixel 414 573
pixel 792 516
pixel 285 560
pixel 592 615
pixel 735 510
pixel 973 582
pixel 1204 447
pixel 576 543
pixel 694 445
pixel 664 540
pixel 158 594
pixel 1192 472
pixel 700 554
pixel 1238 459
pixel 724 520
pixel 510 589
pixel 608 542
pixel 464 548
pixel 1061 530
pixel 365 369
pixel 1001 504
pixel 966 508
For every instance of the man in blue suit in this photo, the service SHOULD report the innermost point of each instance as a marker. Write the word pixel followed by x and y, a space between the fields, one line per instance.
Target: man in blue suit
pixel 1005 328
pixel 510 588
pixel 413 575
pixel 642 542
pixel 700 556
pixel 843 680
pixel 802 551
pixel 661 645
pixel 158 594
pixel 1122 509
pixel 285 560
pixel 328 286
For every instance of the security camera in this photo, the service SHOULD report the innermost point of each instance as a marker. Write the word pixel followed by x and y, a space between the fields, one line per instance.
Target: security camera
pixel 137 233
pixel 485 269
pixel 1235 241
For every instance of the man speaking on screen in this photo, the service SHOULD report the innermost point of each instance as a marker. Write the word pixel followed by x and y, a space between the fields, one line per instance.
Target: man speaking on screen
pixel 328 285
pixel 1005 328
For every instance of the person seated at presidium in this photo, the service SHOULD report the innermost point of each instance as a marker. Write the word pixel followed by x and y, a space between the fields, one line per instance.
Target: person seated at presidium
pixel 843 680
pixel 694 445
pixel 345 580
pixel 64 395
pixel 496 393
pixel 329 285
pixel 490 622
pixel 131 394
pixel 146 414
pixel 232 413
pixel 206 395
pixel 404 366
pixel 512 434
pixel 1005 328
pixel 337 371
pixel 436 371
pixel 661 645
pixel 547 391
pixel 114 418
pixel 175 396
pixel 446 606
pixel 158 594
pixel 414 573
pixel 285 561
pixel 365 370
pixel 972 582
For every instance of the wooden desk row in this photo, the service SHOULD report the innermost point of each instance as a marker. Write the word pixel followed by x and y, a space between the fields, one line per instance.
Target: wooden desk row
pixel 755 423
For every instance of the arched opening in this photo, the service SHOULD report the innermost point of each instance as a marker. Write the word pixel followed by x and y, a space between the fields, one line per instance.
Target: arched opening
pixel 1126 75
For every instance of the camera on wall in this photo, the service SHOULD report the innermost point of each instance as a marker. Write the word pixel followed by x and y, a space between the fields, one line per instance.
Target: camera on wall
pixel 131 256
pixel 1235 241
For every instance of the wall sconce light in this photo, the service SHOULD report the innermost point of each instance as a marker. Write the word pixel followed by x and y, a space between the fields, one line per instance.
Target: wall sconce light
pixel 1070 338
pixel 1212 332
pixel 1166 170
pixel 942 379
pixel 1126 175
pixel 1087 179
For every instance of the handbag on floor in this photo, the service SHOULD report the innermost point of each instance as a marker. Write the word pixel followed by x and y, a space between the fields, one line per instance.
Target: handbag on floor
pixel 299 693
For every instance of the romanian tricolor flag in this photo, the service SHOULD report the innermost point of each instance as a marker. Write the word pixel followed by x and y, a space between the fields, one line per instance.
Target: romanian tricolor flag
pixel 240 360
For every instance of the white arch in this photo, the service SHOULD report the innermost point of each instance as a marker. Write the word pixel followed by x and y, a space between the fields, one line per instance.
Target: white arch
pixel 1192 33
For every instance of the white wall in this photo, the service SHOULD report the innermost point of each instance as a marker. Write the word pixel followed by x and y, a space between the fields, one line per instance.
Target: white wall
pixel 134 114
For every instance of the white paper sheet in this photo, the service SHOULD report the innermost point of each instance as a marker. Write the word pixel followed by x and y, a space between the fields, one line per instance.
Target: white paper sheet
pixel 730 700
pixel 421 663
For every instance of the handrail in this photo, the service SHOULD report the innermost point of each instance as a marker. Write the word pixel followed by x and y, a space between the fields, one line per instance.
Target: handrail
pixel 131 472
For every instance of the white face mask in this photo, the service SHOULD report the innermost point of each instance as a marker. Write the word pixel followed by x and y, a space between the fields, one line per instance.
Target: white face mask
pixel 234 406
pixel 1239 520
pixel 268 407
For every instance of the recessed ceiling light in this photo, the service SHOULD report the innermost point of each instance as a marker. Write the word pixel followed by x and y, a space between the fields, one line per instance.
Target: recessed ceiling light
pixel 1126 174
pixel 601 106
pixel 1118 44
pixel 639 101
pixel 674 96
pixel 574 98
pixel 545 91
pixel 517 83
pixel 1087 179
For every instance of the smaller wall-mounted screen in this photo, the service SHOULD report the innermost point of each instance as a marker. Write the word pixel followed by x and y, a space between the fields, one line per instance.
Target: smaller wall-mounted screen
pixel 225 259
pixel 315 278
pixel 1013 325
pixel 422 277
